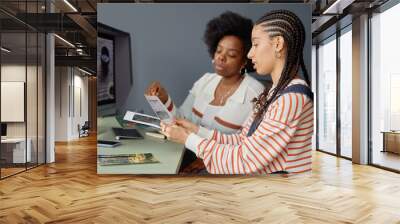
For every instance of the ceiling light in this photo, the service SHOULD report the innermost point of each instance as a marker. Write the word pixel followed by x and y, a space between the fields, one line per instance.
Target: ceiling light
pixel 332 7
pixel 338 7
pixel 84 71
pixel 70 5
pixel 79 51
pixel 5 50
pixel 64 40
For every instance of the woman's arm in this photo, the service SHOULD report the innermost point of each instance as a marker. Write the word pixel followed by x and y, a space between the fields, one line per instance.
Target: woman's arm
pixel 254 154
pixel 223 138
pixel 214 134
pixel 185 110
pixel 253 89
pixel 263 152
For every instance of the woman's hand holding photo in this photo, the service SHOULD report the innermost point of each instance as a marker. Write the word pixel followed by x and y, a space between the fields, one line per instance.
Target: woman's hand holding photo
pixel 189 126
pixel 174 132
pixel 156 89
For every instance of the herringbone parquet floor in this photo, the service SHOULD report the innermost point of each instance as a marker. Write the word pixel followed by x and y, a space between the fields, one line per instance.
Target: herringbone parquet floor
pixel 70 191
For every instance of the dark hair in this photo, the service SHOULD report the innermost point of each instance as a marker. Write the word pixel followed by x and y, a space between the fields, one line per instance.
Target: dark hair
pixel 104 50
pixel 229 23
pixel 286 24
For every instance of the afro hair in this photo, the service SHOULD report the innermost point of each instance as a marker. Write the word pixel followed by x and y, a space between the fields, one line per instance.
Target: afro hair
pixel 226 24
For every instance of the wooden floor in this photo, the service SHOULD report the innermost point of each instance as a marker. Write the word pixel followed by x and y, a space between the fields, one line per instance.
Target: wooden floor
pixel 386 159
pixel 70 191
pixel 10 171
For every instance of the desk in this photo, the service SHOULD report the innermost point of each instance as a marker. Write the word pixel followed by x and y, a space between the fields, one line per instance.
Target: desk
pixel 168 153
pixel 17 151
pixel 391 141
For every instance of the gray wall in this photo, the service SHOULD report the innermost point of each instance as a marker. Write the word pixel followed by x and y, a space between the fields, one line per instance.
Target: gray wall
pixel 167 41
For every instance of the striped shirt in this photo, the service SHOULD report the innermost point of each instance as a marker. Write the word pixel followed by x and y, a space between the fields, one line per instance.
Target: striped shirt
pixel 282 141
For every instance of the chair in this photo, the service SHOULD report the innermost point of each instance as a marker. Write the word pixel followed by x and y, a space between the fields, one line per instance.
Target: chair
pixel 84 130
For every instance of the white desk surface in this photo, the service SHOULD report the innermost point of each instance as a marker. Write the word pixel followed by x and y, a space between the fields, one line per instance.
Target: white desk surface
pixel 13 140
pixel 168 153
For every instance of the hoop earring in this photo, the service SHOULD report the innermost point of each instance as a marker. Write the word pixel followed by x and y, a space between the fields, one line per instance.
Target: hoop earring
pixel 243 71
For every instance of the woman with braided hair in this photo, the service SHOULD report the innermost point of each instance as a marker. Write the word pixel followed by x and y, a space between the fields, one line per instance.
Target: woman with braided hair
pixel 277 137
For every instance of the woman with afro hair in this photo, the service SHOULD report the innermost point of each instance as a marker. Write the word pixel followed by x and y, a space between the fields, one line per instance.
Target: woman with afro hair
pixel 221 100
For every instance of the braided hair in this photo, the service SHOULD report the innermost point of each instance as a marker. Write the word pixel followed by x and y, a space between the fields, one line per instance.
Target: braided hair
pixel 287 25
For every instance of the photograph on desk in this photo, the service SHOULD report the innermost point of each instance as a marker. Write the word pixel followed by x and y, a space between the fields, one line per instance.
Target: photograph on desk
pixel 213 88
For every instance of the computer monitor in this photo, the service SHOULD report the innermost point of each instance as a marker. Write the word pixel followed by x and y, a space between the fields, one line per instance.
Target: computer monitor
pixel 105 70
pixel 3 129
pixel 114 69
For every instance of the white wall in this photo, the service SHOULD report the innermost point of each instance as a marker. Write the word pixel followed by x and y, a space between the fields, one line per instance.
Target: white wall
pixel 79 112
pixel 16 72
pixel 61 103
pixel 33 127
pixel 13 72
pixel 70 83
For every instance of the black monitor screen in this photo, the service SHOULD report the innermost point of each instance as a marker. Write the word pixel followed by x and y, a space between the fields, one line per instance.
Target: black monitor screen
pixel 3 129
pixel 105 70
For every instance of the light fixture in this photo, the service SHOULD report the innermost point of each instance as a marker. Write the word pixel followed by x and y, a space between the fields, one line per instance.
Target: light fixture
pixel 5 50
pixel 326 11
pixel 70 5
pixel 65 41
pixel 337 7
pixel 80 51
pixel 84 71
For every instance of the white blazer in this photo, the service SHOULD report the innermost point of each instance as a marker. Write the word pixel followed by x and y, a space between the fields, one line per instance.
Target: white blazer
pixel 231 116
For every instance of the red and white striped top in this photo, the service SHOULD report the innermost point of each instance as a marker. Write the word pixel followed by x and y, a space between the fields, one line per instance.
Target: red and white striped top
pixel 282 142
